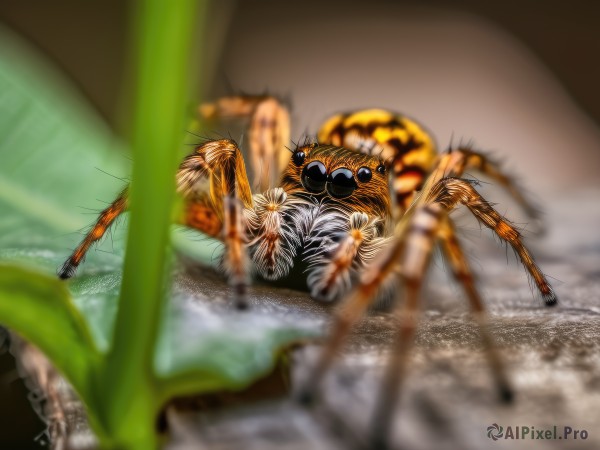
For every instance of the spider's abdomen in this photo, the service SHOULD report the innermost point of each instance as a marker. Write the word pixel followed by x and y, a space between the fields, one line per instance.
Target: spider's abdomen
pixel 405 146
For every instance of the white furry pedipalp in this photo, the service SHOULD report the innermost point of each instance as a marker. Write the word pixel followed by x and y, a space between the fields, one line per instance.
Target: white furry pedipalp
pixel 339 245
pixel 273 241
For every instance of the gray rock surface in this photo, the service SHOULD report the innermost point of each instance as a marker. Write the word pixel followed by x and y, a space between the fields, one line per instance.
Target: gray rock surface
pixel 448 398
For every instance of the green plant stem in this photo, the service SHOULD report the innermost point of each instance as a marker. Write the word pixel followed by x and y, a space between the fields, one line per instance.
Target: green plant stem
pixel 164 38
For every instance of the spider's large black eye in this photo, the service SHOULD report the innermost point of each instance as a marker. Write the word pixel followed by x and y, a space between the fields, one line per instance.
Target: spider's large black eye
pixel 364 174
pixel 299 157
pixel 341 183
pixel 314 176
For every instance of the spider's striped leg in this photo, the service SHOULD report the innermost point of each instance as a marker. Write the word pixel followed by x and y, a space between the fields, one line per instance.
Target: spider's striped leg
pixel 479 161
pixel 427 223
pixel 221 163
pixel 199 213
pixel 351 310
pixel 450 192
pixel 462 272
pixel 420 239
pixel 235 257
pixel 337 250
pixel 216 167
pixel 269 131
pixel 104 221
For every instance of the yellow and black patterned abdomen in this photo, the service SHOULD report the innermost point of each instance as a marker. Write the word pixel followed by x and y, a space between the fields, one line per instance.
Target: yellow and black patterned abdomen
pixel 408 150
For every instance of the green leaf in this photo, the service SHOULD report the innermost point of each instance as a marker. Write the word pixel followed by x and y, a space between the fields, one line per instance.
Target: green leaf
pixel 54 153
pixel 96 296
pixel 39 308
pixel 206 345
pixel 55 156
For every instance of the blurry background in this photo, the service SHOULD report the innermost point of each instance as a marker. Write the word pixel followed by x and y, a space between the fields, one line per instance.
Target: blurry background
pixel 518 77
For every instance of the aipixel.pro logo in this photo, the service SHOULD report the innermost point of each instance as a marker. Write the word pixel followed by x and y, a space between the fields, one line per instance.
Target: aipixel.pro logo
pixel 496 432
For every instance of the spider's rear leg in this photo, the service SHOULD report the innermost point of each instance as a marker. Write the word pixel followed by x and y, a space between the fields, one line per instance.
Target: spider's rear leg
pixel 427 223
pixel 333 265
pixel 104 221
pixel 269 131
pixel 453 191
pixel 472 159
pixel 462 272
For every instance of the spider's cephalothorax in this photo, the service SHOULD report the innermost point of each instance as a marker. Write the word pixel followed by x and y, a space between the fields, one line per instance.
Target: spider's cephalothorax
pixel 354 181
pixel 330 215
pixel 361 210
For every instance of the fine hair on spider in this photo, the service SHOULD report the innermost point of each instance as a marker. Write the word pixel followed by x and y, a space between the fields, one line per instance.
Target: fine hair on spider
pixel 359 210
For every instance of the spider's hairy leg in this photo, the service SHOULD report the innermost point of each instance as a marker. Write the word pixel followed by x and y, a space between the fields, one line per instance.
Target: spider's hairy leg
pixel 333 265
pixel 235 258
pixel 479 161
pixel 217 167
pixel 409 251
pixel 269 135
pixel 199 213
pixel 419 242
pixel 269 132
pixel 104 221
pixel 463 274
pixel 273 241
pixel 452 191
pixel 351 310
pixel 221 163
pixel 430 220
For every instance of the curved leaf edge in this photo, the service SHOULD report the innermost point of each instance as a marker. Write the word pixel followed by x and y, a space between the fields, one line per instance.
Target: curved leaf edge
pixel 40 309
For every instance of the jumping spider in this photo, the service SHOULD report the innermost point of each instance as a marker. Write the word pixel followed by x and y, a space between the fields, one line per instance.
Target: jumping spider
pixel 361 209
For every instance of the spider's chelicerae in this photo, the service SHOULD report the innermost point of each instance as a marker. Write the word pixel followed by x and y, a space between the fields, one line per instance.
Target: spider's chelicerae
pixel 360 210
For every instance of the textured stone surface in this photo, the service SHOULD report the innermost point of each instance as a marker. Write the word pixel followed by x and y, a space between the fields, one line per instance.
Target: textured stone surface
pixel 448 399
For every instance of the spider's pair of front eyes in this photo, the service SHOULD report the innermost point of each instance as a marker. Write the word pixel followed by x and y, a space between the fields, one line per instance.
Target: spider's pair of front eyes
pixel 339 184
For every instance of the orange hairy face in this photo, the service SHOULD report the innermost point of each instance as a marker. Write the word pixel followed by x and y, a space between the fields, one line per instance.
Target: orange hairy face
pixel 346 177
